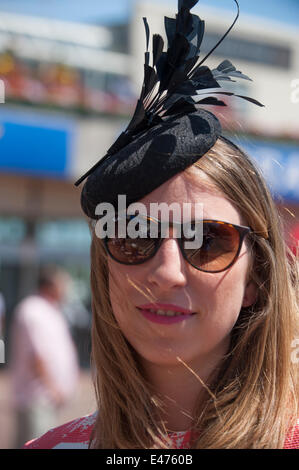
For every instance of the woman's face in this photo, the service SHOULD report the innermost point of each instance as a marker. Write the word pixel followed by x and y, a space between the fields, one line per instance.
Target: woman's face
pixel 215 298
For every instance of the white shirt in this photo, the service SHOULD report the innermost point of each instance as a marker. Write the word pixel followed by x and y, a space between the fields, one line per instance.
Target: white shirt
pixel 40 329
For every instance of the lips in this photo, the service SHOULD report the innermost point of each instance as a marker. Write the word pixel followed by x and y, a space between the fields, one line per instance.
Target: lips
pixel 165 313
pixel 165 308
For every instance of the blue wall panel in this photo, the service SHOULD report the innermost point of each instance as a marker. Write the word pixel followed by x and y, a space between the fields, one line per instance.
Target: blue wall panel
pixel 35 144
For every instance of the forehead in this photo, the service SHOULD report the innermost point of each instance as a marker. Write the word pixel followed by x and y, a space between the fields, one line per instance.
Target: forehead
pixel 194 188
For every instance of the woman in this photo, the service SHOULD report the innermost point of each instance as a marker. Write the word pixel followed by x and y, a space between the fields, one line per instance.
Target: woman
pixel 240 335
pixel 225 372
pixel 191 348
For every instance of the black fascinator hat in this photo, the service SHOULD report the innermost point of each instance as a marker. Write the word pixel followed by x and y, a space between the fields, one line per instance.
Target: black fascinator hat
pixel 169 130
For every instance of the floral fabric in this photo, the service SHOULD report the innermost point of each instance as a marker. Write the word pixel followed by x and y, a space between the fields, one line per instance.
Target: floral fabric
pixel 76 433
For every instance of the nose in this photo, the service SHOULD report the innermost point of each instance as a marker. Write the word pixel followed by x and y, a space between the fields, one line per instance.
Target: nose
pixel 168 268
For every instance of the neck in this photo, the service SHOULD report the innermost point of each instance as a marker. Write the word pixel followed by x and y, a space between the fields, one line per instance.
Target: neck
pixel 181 387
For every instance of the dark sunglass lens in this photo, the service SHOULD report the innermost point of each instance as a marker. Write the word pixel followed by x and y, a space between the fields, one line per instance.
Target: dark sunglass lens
pixel 219 248
pixel 131 251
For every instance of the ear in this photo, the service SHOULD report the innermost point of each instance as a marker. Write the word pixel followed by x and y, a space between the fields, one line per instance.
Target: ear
pixel 250 294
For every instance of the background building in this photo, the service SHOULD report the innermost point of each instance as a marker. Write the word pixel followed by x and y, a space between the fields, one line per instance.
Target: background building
pixel 67 96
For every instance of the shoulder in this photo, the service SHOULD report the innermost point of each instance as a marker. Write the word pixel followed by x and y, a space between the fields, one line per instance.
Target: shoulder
pixel 29 308
pixel 33 313
pixel 292 441
pixel 72 435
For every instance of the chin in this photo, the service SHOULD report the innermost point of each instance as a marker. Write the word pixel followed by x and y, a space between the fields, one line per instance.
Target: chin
pixel 166 356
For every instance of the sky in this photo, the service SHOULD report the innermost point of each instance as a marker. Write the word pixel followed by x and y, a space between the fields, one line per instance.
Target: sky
pixel 114 11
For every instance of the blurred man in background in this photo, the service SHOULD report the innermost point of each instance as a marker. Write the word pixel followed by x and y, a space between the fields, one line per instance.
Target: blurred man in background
pixel 44 364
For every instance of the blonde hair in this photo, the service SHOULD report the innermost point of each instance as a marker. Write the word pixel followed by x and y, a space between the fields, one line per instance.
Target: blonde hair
pixel 252 403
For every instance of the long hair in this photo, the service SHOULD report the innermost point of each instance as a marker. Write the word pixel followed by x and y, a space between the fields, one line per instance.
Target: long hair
pixel 252 402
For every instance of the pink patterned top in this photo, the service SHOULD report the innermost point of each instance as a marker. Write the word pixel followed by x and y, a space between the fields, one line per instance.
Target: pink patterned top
pixel 76 433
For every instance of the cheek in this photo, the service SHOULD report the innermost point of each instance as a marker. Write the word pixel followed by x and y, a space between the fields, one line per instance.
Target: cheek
pixel 224 295
pixel 122 294
pixel 126 282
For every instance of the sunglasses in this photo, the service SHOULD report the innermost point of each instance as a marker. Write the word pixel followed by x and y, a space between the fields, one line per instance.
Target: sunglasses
pixel 220 248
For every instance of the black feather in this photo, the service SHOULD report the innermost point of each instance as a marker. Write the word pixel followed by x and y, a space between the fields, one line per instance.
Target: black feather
pixel 181 107
pixel 151 79
pixel 147 32
pixel 227 69
pixel 138 117
pixel 158 45
pixel 170 28
pixel 188 4
pixel 211 101
pixel 251 100
pixel 178 81
pixel 203 78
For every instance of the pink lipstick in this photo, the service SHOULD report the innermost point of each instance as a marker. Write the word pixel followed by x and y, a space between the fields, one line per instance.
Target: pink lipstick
pixel 166 314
